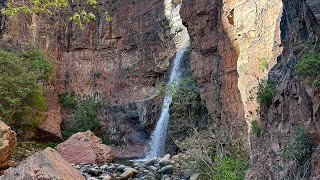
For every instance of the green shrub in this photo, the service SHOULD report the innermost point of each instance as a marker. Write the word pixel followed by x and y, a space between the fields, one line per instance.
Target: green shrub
pixel 265 92
pixel 263 64
pixel 299 147
pixel 22 101
pixel 200 156
pixel 68 100
pixel 84 118
pixel 255 128
pixel 309 66
pixel 230 167
pixel 97 74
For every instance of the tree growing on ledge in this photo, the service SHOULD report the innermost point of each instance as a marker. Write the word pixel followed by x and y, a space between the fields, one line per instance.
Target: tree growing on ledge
pixel 74 8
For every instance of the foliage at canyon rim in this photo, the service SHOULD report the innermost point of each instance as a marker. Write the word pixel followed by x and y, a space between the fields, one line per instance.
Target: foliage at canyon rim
pixel 77 14
pixel 22 101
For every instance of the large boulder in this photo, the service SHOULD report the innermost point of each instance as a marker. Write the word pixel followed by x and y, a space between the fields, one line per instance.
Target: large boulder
pixel 44 165
pixel 50 128
pixel 85 147
pixel 7 143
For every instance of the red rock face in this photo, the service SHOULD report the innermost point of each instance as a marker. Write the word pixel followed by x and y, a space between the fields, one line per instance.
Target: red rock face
pixel 85 147
pixel 119 61
pixel 214 58
pixel 44 165
pixel 7 143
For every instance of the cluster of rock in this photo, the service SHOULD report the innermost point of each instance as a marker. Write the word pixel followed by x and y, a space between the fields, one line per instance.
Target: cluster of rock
pixel 83 156
pixel 140 170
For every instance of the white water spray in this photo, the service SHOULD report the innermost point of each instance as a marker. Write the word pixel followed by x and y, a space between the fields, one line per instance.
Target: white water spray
pixel 158 137
pixel 159 134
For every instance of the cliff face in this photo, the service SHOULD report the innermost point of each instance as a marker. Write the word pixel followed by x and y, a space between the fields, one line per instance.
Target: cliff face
pixel 296 104
pixel 119 62
pixel 235 44
pixel 229 41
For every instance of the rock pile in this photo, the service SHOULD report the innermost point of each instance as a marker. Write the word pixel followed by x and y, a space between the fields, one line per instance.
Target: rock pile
pixel 152 169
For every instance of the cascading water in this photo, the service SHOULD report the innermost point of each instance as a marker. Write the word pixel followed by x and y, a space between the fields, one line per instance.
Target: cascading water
pixel 158 137
pixel 159 134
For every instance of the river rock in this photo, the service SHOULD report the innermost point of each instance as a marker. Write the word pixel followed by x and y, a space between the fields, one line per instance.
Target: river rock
pixel 121 167
pixel 131 169
pixel 165 160
pixel 150 162
pixel 108 177
pixel 127 174
pixel 85 147
pixel 7 143
pixel 112 167
pixel 153 168
pixel 187 173
pixel 166 170
pixel 94 171
pixel 194 177
pixel 44 165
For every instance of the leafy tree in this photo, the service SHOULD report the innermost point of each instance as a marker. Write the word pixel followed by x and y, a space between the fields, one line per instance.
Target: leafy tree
pixel 50 7
pixel 22 101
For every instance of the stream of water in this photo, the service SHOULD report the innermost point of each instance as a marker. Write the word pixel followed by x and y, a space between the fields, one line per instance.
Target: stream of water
pixel 158 137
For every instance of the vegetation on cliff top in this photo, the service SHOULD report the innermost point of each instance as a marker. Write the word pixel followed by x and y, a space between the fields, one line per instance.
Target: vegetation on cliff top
pixel 77 14
pixel 22 102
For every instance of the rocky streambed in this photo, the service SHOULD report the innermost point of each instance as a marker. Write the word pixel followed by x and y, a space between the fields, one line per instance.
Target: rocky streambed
pixel 161 168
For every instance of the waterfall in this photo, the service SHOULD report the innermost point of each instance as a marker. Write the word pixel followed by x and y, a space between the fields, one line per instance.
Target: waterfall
pixel 158 137
pixel 181 38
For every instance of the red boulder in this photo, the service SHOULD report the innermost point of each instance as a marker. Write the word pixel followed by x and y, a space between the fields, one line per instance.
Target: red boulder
pixel 85 147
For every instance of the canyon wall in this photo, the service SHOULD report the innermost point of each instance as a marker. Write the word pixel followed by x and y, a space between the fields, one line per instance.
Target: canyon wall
pixel 235 45
pixel 119 62
pixel 229 40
